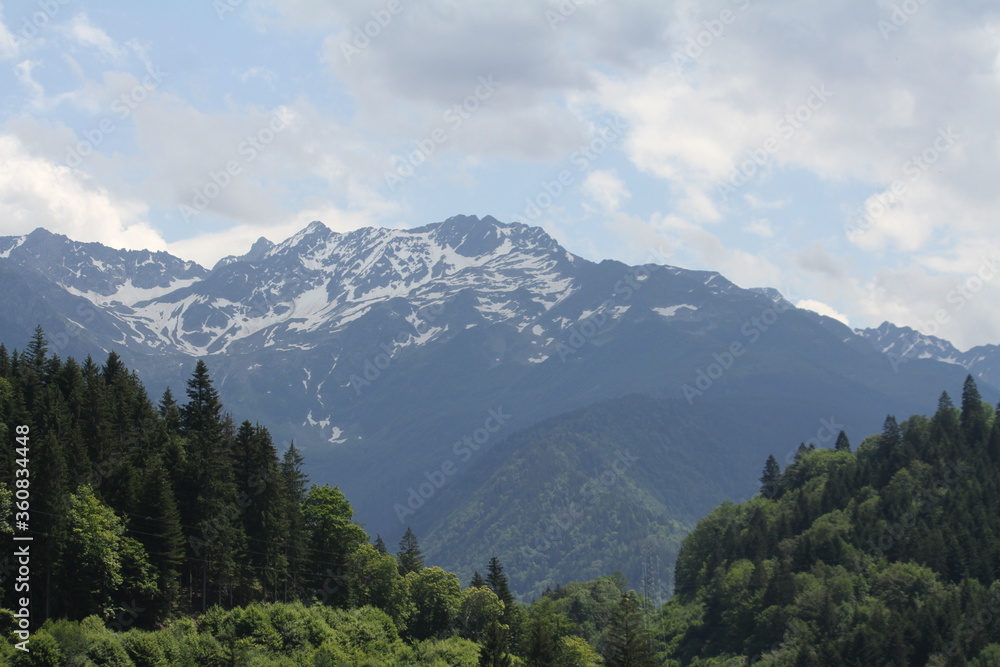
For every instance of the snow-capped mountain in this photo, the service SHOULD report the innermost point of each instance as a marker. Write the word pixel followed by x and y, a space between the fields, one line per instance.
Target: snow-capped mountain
pixel 903 345
pixel 105 276
pixel 298 293
pixel 384 352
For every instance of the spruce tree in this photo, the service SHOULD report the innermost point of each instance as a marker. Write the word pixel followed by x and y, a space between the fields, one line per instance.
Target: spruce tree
pixel 35 353
pixel 4 361
pixel 974 425
pixel 209 493
pixel 842 444
pixel 380 545
pixel 628 642
pixel 258 487
pixel 410 557
pixel 294 487
pixel 497 580
pixel 477 580
pixel 170 411
pixel 770 478
pixel 157 526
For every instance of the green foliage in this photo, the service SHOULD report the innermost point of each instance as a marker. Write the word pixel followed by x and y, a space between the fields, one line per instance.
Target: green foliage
pixel 880 557
pixel 374 580
pixel 437 597
pixel 479 610
pixel 628 642
pixel 43 651
pixel 96 556
pixel 453 651
pixel 544 629
pixel 334 536
pixel 576 652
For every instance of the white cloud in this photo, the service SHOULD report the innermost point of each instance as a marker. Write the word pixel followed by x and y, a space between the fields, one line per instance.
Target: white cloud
pixel 208 248
pixel 822 309
pixel 761 227
pixel 85 33
pixel 606 189
pixel 9 47
pixel 35 193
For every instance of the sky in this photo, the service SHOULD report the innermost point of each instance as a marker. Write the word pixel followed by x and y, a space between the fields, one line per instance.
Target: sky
pixel 846 153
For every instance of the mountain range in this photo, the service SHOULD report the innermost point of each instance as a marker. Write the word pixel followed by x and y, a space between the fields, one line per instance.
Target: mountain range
pixel 470 378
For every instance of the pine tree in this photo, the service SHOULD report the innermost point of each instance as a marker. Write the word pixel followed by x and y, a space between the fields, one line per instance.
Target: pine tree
pixel 50 504
pixel 892 436
pixel 35 353
pixel 497 580
pixel 494 647
pixel 170 411
pixel 770 478
pixel 842 444
pixel 157 525
pixel 410 557
pixel 209 493
pixel 380 545
pixel 294 484
pixel 974 425
pixel 498 583
pixel 477 580
pixel 628 642
pixel 993 448
pixel 258 486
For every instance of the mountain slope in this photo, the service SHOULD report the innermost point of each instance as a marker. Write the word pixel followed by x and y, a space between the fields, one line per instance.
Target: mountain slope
pixel 378 350
pixel 581 495
pixel 885 556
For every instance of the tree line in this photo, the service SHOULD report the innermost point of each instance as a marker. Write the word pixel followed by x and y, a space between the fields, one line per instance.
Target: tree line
pixel 168 533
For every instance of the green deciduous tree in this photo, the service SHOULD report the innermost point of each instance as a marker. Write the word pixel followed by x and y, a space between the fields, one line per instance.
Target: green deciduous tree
pixel 100 568
pixel 437 597
pixel 333 537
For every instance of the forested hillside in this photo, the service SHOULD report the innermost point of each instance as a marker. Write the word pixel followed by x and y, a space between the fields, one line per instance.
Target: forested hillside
pixel 614 486
pixel 886 556
pixel 168 534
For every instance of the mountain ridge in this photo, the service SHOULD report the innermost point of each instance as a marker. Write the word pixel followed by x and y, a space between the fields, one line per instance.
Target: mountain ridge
pixel 376 350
